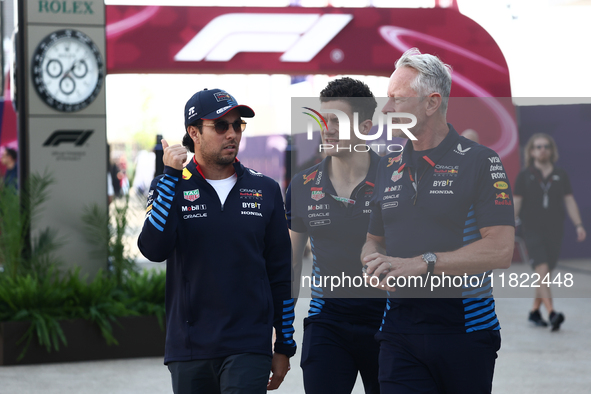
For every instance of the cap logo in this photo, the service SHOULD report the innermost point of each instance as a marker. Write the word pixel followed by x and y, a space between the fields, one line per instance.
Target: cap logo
pixel 191 111
pixel 221 96
pixel 219 111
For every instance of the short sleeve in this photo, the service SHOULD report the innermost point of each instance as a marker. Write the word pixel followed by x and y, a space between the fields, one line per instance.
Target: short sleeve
pixel 520 184
pixel 376 222
pixel 566 186
pixel 294 220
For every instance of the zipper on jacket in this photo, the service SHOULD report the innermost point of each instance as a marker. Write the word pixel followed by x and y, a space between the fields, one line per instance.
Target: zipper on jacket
pixel 230 192
pixel 216 193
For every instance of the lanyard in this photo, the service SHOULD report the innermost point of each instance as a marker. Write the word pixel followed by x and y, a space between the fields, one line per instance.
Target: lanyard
pixel 545 188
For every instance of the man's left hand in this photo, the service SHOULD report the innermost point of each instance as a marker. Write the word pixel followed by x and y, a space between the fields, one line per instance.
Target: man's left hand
pixel 279 368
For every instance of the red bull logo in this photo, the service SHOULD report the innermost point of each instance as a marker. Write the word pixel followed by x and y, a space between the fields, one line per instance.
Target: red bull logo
pixel 310 177
pixel 503 199
pixel 186 174
pixel 393 160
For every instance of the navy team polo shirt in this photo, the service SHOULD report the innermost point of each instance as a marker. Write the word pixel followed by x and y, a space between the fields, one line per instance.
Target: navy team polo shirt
pixel 337 233
pixel 461 188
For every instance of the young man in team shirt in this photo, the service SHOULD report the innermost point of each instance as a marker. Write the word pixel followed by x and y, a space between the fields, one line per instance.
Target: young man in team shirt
pixel 328 204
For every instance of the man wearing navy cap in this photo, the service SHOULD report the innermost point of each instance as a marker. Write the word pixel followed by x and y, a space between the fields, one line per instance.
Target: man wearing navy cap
pixel 442 206
pixel 221 228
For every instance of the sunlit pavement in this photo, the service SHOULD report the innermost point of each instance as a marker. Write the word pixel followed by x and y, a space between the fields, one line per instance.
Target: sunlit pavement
pixel 531 360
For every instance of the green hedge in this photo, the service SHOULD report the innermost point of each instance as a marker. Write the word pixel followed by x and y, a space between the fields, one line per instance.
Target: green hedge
pixel 32 287
pixel 44 301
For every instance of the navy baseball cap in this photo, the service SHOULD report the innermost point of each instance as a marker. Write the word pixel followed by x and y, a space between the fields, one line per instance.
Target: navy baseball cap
pixel 213 104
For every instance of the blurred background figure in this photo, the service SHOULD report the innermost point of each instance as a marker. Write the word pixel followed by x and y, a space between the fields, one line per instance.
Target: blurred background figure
pixel 145 167
pixel 122 175
pixel 115 182
pixel 9 158
pixel 110 190
pixel 542 191
pixel 471 135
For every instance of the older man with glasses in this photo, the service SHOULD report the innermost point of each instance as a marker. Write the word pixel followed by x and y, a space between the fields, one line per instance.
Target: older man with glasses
pixel 222 229
pixel 542 191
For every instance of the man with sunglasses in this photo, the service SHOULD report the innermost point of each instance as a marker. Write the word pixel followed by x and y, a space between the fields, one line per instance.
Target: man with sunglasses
pixel 222 229
pixel 542 191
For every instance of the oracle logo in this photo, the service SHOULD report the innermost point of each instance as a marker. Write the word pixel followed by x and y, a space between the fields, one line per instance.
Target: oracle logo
pixel 299 36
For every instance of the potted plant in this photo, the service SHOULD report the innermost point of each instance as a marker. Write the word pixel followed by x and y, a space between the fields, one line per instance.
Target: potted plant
pixel 51 316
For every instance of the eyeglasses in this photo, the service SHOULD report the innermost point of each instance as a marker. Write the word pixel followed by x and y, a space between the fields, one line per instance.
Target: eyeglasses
pixel 222 126
pixel 540 147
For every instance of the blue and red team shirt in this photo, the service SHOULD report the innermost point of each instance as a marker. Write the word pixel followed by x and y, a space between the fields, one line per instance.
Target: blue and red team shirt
pixel 337 233
pixel 461 187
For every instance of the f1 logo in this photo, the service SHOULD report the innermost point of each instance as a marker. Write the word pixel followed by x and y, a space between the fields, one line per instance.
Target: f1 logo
pixel 76 137
pixel 299 36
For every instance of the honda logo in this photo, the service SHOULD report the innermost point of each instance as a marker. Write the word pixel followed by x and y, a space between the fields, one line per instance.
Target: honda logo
pixel 76 137
pixel 299 36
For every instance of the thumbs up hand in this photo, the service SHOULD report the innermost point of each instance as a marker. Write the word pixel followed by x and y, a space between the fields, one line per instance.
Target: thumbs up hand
pixel 174 156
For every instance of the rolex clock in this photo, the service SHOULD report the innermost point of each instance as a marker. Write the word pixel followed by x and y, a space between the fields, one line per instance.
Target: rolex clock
pixel 68 70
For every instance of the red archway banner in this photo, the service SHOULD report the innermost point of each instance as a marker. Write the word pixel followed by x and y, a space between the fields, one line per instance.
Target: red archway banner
pixel 296 40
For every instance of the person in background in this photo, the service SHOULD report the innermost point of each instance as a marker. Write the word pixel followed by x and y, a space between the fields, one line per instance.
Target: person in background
pixel 9 160
pixel 542 191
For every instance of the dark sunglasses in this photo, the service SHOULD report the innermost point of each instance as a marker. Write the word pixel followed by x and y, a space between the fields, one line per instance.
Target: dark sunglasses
pixel 539 147
pixel 222 126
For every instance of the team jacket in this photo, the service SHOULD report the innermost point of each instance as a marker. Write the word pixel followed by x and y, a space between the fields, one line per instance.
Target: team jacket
pixel 228 278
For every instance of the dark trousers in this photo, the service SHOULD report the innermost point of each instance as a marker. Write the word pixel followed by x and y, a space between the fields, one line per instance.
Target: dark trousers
pixel 245 373
pixel 334 353
pixel 438 363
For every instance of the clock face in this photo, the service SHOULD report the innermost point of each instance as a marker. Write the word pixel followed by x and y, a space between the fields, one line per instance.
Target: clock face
pixel 68 70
